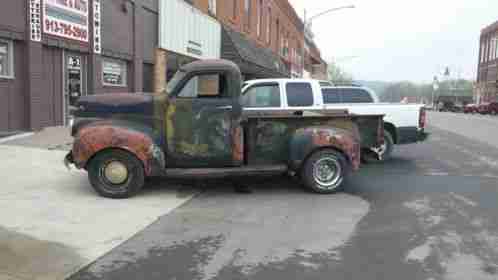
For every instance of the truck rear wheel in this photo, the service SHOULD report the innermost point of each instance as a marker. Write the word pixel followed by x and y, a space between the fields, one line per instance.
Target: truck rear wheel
pixel 386 150
pixel 116 174
pixel 325 171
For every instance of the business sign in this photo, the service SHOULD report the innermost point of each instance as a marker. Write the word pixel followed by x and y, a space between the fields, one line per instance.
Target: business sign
pixel 97 39
pixel 35 20
pixel 66 18
pixel 186 30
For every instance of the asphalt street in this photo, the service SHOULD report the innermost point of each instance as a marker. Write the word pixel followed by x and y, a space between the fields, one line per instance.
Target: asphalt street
pixel 430 213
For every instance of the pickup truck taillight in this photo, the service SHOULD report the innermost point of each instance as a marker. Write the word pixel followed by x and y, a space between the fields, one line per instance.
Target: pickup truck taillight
pixel 422 118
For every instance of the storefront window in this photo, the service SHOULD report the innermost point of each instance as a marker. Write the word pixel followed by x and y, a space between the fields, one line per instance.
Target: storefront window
pixel 113 73
pixel 6 59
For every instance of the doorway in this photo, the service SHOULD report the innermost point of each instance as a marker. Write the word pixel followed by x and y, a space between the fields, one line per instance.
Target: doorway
pixel 75 80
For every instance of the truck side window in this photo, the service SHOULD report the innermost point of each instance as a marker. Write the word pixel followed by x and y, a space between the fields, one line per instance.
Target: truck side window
pixel 205 86
pixel 262 96
pixel 299 94
pixel 331 95
pixel 356 95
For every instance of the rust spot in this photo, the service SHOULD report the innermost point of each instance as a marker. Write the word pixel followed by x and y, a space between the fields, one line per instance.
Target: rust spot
pixel 238 144
pixel 93 139
pixel 344 142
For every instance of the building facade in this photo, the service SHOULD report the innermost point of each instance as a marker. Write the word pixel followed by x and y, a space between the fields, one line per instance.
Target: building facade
pixel 53 51
pixel 486 89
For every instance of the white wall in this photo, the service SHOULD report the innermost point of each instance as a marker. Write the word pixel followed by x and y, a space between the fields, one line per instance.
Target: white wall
pixel 186 30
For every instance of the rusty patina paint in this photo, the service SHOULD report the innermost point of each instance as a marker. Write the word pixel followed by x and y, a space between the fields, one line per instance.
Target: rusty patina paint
pixel 291 140
pixel 238 144
pixel 92 139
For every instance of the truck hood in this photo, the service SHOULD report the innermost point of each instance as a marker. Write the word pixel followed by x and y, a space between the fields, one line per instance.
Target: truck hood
pixel 101 105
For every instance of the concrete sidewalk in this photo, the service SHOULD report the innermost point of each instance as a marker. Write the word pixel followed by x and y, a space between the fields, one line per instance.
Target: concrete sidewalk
pixel 52 223
pixel 51 138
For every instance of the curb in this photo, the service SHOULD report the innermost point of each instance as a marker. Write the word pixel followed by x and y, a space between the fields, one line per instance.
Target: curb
pixel 16 137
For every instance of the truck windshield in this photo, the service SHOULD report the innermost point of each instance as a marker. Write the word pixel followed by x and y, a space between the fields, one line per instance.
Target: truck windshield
pixel 174 81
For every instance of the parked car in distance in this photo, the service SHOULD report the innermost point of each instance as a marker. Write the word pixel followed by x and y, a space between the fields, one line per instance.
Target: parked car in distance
pixel 490 108
pixel 470 109
pixel 449 106
pixel 198 128
pixel 403 123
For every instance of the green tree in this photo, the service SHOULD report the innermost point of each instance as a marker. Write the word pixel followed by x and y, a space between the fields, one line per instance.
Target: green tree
pixel 337 75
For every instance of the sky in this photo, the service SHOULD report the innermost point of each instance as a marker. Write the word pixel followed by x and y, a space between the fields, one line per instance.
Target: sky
pixel 401 40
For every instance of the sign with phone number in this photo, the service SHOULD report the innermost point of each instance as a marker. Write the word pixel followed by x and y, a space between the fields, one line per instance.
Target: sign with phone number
pixel 67 19
pixel 66 30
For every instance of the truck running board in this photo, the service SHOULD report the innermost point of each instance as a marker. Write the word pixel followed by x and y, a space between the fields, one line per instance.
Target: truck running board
pixel 226 172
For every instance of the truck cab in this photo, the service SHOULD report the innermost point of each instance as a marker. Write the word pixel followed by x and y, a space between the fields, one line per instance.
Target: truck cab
pixel 198 128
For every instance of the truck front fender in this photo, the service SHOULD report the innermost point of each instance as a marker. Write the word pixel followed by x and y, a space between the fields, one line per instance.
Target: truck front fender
pixel 95 138
pixel 306 141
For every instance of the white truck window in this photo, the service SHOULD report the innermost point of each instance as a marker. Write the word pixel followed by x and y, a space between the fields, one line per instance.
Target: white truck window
pixel 299 94
pixel 356 95
pixel 331 95
pixel 262 96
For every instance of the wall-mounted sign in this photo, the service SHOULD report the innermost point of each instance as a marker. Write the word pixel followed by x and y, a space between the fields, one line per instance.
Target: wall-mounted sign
pixel 66 18
pixel 113 73
pixel 97 40
pixel 35 20
pixel 186 30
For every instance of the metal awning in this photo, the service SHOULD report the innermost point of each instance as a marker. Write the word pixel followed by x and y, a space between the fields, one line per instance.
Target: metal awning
pixel 253 60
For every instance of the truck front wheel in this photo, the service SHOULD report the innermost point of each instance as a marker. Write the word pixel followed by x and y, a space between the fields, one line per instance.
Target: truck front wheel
pixel 325 171
pixel 116 174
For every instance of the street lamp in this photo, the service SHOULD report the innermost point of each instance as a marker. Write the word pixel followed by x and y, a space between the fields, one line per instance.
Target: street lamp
pixel 307 22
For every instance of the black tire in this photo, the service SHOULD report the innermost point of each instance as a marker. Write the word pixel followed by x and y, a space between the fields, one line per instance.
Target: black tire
pixel 389 148
pixel 129 187
pixel 312 182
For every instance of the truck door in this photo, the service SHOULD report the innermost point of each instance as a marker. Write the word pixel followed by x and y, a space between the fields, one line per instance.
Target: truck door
pixel 199 123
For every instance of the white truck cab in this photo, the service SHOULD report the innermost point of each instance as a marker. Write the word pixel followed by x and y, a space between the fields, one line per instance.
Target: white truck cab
pixel 403 123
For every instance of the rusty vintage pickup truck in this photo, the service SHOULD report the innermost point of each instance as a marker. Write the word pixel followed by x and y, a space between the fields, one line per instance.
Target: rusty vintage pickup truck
pixel 198 128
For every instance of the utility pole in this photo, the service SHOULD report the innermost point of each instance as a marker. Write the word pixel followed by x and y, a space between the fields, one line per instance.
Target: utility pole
pixel 435 87
pixel 160 70
pixel 307 22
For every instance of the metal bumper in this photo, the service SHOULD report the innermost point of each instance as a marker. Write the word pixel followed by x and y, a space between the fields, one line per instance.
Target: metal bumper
pixel 422 135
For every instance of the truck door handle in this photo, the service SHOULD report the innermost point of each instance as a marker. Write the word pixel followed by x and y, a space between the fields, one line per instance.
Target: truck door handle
pixel 224 108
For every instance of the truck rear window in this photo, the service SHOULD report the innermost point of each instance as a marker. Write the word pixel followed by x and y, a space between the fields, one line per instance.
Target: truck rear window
pixel 356 95
pixel 262 96
pixel 299 94
pixel 331 95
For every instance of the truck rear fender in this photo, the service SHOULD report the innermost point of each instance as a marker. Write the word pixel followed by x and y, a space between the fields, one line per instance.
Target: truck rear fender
pixel 91 140
pixel 306 141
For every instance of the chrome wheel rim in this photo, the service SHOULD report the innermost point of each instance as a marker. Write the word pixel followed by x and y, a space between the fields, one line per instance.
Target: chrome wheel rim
pixel 115 172
pixel 327 172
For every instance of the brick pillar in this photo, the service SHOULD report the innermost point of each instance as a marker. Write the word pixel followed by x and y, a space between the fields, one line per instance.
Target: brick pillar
pixel 138 46
pixel 34 81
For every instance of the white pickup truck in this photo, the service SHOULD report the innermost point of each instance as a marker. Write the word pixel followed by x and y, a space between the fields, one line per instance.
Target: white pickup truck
pixel 403 123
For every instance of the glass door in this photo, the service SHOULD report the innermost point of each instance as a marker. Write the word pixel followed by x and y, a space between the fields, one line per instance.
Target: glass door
pixel 74 82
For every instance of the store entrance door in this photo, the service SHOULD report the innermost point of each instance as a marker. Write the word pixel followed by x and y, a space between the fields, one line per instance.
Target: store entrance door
pixel 75 75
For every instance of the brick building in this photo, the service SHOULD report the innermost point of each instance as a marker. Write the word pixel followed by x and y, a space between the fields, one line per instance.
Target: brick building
pixel 52 51
pixel 486 89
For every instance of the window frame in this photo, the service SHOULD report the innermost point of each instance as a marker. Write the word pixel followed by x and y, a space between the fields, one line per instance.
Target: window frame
pixel 186 79
pixel 266 84
pixel 212 6
pixel 247 15
pixel 260 18
pixel 268 25
pixel 234 9
pixel 10 59
pixel 125 74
